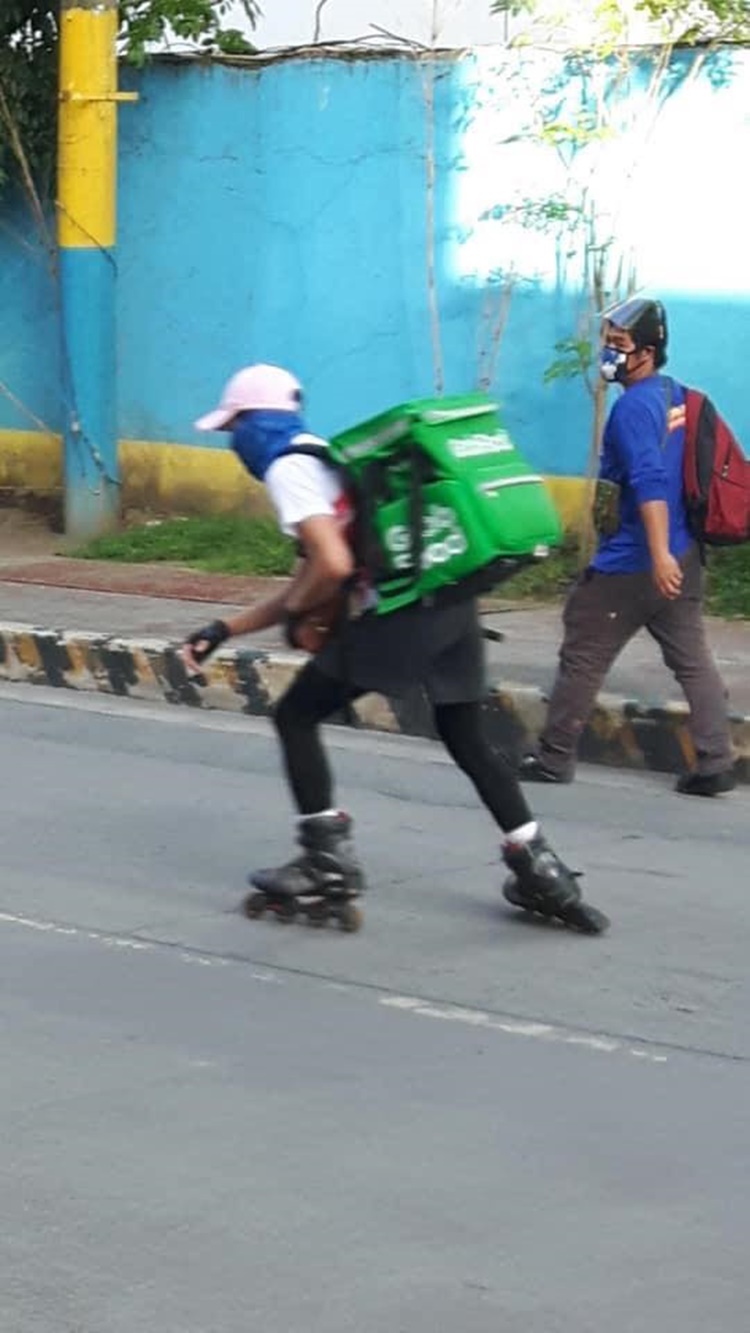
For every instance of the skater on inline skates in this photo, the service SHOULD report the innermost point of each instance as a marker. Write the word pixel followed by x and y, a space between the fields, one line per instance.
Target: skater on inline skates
pixel 326 609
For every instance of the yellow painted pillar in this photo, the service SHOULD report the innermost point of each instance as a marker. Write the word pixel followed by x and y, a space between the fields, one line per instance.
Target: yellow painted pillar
pixel 86 203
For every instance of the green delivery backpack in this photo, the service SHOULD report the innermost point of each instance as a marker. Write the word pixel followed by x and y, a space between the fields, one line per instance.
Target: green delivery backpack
pixel 446 506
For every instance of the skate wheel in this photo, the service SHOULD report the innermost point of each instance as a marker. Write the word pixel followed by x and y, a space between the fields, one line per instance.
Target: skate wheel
pixel 589 920
pixel 285 912
pixel 317 915
pixel 351 918
pixel 255 905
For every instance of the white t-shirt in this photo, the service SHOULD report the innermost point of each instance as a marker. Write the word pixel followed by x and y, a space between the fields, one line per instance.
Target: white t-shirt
pixel 302 487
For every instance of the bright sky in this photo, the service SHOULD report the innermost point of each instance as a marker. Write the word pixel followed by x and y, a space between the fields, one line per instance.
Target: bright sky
pixel 460 22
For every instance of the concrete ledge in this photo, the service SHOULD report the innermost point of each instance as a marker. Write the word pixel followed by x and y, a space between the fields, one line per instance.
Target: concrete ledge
pixel 621 733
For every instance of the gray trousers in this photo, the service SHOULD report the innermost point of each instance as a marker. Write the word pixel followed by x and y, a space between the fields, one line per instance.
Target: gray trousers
pixel 602 614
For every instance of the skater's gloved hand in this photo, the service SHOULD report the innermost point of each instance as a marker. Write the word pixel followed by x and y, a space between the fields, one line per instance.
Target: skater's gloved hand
pixel 199 645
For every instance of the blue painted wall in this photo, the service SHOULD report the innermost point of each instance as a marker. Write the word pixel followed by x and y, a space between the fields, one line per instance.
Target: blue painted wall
pixel 276 215
pixel 29 351
pixel 279 213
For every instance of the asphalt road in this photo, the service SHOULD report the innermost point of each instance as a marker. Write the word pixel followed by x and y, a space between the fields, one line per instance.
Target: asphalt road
pixel 456 1120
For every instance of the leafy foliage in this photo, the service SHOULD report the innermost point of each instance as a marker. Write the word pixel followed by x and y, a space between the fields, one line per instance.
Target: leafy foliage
pixel 28 65
pixel 700 20
pixel 574 357
pixel 200 22
pixel 28 46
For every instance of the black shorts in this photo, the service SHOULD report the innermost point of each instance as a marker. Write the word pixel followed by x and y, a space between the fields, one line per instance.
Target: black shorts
pixel 437 647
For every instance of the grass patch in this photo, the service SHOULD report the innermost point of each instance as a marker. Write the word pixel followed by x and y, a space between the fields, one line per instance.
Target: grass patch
pixel 226 545
pixel 729 582
pixel 546 581
pixel 218 544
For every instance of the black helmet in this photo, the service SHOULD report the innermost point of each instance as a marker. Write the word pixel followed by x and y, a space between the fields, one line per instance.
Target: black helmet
pixel 645 321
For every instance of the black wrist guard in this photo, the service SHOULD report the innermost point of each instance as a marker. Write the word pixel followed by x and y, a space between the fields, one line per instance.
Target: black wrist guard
pixel 210 638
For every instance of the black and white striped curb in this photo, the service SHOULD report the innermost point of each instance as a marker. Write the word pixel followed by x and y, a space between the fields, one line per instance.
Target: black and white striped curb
pixel 621 733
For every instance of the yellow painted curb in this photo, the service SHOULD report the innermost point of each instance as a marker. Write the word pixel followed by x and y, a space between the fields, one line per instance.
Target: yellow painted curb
pixel 187 479
pixel 31 461
pixel 167 478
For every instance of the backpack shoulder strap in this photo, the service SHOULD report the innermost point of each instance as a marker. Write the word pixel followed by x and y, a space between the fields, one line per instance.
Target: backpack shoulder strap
pixel 668 402
pixel 701 422
pixel 694 400
pixel 700 439
pixel 311 446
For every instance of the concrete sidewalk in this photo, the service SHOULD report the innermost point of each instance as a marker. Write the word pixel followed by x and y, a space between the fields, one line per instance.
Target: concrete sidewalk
pixel 104 626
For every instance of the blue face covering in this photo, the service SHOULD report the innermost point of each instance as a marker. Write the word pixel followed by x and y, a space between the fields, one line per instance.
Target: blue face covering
pixel 259 438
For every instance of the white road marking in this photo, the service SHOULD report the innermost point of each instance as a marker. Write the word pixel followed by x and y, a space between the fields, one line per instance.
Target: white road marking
pixel 447 1013
pixel 450 1013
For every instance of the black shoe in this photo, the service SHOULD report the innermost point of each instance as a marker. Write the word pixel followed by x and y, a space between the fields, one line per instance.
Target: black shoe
pixel 531 769
pixel 706 784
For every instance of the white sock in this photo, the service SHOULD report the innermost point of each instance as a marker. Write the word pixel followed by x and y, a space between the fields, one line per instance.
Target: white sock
pixel 319 814
pixel 523 834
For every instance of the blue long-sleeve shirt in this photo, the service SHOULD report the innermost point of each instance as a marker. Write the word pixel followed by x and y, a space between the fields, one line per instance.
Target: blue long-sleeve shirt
pixel 643 448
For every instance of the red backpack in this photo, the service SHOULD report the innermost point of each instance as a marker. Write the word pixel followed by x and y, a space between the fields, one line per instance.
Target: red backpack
pixel 716 475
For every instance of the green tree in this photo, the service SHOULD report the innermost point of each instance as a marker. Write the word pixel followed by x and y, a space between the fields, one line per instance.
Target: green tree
pixel 678 22
pixel 692 21
pixel 28 66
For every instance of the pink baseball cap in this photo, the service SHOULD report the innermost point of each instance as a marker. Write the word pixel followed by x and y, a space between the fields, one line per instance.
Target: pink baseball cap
pixel 256 388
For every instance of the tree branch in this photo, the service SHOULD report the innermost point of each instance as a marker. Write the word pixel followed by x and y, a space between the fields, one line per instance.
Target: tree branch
pixel 318 19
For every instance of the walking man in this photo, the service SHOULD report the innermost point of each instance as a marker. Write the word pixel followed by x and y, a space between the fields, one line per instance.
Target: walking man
pixel 647 572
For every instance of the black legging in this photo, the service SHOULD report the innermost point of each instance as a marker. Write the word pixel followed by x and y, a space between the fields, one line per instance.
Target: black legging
pixel 313 697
